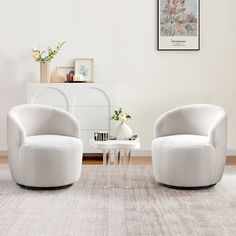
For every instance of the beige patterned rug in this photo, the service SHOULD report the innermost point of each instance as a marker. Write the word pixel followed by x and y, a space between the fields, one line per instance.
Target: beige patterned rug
pixel 87 208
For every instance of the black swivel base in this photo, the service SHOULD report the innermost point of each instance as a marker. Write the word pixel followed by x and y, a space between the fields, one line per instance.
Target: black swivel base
pixel 188 188
pixel 45 188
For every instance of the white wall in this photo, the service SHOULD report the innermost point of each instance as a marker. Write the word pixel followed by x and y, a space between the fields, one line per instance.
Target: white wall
pixel 121 37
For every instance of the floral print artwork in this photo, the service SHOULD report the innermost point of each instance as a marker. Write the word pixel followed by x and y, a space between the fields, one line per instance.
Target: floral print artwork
pixel 178 18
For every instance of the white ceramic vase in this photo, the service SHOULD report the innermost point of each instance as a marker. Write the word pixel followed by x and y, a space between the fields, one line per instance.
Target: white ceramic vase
pixel 123 131
pixel 58 77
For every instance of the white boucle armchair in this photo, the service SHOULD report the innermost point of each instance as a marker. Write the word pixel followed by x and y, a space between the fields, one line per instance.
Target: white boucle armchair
pixel 44 148
pixel 189 147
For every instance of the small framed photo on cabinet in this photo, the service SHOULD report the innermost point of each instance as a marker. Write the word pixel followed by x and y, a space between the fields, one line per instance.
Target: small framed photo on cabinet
pixel 84 69
pixel 178 25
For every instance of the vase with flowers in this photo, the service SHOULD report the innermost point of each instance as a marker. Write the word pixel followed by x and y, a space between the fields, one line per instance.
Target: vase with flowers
pixel 123 131
pixel 45 57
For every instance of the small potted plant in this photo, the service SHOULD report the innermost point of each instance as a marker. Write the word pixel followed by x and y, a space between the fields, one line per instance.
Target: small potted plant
pixel 123 131
pixel 44 57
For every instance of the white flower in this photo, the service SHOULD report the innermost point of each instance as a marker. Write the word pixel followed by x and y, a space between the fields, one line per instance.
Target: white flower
pixel 123 117
pixel 34 49
pixel 35 54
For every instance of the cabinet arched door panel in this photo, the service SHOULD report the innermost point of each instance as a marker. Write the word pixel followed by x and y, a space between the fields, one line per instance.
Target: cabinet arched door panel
pixel 92 109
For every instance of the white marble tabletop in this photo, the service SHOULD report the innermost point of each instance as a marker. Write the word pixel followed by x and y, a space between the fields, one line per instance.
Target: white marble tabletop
pixel 116 144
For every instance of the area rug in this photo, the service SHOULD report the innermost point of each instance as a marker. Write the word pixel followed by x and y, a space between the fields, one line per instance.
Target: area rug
pixel 147 208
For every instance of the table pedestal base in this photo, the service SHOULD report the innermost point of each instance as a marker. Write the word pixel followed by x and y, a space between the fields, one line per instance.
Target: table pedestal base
pixel 117 161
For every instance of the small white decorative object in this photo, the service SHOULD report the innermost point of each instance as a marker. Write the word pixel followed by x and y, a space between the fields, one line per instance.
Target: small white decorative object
pixel 76 78
pixel 123 131
pixel 81 77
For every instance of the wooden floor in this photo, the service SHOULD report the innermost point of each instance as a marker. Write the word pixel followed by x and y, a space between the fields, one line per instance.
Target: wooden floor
pixel 98 161
pixel 231 160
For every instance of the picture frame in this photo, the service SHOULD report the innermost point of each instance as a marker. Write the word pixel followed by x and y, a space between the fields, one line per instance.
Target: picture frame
pixel 84 69
pixel 178 25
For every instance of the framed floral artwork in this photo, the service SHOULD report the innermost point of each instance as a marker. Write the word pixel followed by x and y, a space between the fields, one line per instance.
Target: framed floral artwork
pixel 84 69
pixel 178 25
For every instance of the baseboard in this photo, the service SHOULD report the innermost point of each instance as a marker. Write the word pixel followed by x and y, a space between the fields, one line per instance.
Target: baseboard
pixel 138 152
pixel 141 152
pixel 231 152
pixel 3 153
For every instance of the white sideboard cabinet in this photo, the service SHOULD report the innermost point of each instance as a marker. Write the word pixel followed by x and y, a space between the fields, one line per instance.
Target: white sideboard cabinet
pixel 91 103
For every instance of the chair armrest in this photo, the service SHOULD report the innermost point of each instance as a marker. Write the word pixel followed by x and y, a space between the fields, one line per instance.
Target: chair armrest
pixel 15 131
pixel 218 132
pixel 15 138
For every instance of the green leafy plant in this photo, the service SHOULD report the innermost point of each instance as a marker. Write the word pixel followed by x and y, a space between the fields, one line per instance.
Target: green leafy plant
pixel 119 115
pixel 46 56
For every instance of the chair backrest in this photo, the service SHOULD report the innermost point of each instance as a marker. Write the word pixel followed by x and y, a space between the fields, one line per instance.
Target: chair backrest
pixel 197 119
pixel 37 119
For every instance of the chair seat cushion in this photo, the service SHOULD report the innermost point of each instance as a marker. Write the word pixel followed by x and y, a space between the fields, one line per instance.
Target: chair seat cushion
pixel 50 160
pixel 47 141
pixel 183 140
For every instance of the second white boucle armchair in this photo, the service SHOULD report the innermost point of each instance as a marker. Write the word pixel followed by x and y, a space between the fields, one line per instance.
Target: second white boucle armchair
pixel 44 148
pixel 189 147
